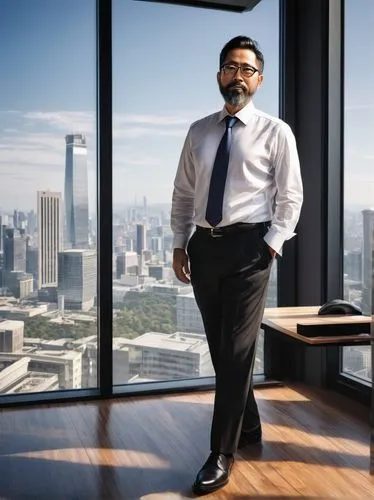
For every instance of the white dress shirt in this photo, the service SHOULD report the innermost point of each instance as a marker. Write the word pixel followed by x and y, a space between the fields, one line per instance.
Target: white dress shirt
pixel 263 179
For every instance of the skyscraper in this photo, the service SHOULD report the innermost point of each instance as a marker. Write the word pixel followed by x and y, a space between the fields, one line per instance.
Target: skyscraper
pixel 1 233
pixel 126 263
pixel 11 336
pixel 140 238
pixel 145 205
pixel 367 262
pixel 14 276
pixel 14 250
pixel 77 278
pixel 76 192
pixel 49 237
pixel 31 222
pixel 15 219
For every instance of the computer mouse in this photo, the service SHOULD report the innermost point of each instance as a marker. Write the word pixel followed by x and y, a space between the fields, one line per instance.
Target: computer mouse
pixel 339 306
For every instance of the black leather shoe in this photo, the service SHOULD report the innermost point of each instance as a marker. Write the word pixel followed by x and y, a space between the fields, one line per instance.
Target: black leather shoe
pixel 214 474
pixel 253 436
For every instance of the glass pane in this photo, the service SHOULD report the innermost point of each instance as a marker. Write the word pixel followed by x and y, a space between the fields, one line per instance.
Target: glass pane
pixel 164 78
pixel 48 326
pixel 358 174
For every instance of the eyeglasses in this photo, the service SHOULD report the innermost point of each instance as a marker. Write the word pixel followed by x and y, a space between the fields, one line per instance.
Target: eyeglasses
pixel 246 70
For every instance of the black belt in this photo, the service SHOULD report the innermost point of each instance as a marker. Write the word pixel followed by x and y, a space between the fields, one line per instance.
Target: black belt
pixel 239 227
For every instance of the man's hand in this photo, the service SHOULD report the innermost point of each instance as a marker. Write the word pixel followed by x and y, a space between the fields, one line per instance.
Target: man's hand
pixel 180 265
pixel 273 253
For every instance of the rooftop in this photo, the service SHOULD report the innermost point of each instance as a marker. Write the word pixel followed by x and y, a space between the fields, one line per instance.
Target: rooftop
pixel 178 341
pixel 7 324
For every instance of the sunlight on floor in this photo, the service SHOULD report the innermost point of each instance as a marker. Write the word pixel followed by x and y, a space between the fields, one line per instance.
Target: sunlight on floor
pixel 99 456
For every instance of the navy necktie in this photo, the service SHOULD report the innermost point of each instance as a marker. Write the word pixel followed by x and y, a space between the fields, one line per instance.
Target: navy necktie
pixel 219 173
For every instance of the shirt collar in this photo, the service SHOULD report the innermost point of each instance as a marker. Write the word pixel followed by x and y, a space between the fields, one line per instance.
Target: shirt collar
pixel 244 114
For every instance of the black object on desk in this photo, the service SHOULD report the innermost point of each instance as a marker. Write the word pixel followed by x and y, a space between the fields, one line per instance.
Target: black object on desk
pixel 341 329
pixel 339 306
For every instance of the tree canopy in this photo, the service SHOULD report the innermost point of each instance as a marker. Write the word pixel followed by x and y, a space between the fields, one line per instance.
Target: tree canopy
pixel 139 313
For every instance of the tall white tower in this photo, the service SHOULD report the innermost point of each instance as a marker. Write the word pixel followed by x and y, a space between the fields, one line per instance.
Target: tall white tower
pixel 49 237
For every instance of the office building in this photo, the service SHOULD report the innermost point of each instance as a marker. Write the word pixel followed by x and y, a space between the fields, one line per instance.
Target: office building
pixel 160 356
pixel 156 244
pixel 2 227
pixel 188 314
pixel 32 222
pixel 32 257
pixel 16 378
pixel 65 364
pixel 77 278
pixel 156 272
pixel 19 283
pixel 76 192
pixel 11 336
pixel 367 261
pixel 353 265
pixel 16 221
pixel 14 250
pixel 140 238
pixel 88 347
pixel 14 276
pixel 49 237
pixel 126 263
pixel 128 244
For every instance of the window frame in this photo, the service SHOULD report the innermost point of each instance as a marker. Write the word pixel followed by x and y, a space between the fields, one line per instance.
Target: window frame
pixel 302 50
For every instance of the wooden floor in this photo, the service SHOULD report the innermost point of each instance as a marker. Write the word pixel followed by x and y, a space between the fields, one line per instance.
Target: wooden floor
pixel 152 447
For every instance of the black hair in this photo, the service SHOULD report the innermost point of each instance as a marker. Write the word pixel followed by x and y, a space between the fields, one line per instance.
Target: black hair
pixel 242 42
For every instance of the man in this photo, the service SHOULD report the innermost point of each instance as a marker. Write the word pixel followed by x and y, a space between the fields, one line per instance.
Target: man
pixel 239 182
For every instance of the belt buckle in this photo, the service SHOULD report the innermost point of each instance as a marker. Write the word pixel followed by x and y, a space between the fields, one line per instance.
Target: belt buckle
pixel 215 234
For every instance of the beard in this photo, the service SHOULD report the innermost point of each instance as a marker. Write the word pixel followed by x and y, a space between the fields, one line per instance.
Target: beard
pixel 235 94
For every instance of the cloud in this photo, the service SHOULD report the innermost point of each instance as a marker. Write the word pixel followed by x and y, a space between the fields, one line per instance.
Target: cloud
pixel 31 146
pixel 136 126
pixel 125 157
pixel 11 130
pixel 138 132
pixel 358 107
pixel 168 120
pixel 10 112
pixel 85 122
pixel 69 121
pixel 32 150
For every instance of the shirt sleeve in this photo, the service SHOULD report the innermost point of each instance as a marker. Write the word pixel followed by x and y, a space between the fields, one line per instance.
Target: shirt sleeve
pixel 182 209
pixel 289 190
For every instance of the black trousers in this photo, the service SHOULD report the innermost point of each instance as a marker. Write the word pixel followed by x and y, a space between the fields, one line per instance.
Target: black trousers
pixel 229 275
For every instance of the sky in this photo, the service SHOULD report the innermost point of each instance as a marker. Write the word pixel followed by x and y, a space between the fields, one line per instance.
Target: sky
pixel 165 60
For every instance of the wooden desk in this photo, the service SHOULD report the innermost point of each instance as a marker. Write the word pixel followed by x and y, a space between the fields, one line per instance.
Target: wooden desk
pixel 281 361
pixel 289 355
pixel 284 320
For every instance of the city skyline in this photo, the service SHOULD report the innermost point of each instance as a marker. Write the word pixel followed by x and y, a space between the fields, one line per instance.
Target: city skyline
pixel 151 111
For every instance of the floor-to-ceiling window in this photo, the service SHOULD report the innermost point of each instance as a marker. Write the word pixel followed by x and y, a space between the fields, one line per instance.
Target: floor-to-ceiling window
pixel 48 325
pixel 358 172
pixel 165 60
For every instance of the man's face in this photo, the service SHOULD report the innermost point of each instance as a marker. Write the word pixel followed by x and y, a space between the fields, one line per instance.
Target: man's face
pixel 238 85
